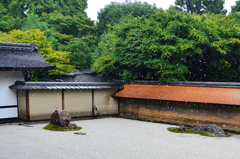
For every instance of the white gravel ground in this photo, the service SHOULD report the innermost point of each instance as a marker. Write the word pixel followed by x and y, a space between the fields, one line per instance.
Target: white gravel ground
pixel 112 138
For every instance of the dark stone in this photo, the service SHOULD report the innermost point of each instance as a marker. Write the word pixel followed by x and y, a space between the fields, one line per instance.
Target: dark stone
pixel 60 117
pixel 182 128
pixel 210 128
pixel 72 126
pixel 79 133
pixel 95 111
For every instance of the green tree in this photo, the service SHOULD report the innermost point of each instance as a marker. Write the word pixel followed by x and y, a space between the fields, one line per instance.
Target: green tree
pixel 112 13
pixel 32 21
pixel 66 7
pixel 6 21
pixel 18 8
pixel 236 7
pixel 65 16
pixel 63 22
pixel 172 46
pixel 77 25
pixel 81 51
pixel 201 6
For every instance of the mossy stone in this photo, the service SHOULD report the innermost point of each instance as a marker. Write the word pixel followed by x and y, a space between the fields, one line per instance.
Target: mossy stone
pixel 189 131
pixel 60 128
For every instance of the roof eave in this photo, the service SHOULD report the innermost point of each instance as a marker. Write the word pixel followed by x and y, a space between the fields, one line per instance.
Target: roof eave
pixel 28 68
pixel 65 85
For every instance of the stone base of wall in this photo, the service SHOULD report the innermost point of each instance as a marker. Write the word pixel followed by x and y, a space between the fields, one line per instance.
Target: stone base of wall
pixel 182 113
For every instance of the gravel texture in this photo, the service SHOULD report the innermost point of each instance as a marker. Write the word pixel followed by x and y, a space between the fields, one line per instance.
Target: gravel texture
pixel 112 138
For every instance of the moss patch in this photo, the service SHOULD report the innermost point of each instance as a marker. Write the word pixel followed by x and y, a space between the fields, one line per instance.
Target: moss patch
pixel 189 131
pixel 59 128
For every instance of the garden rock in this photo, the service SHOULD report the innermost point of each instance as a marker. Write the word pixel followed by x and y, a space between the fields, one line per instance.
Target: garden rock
pixel 79 133
pixel 182 128
pixel 60 117
pixel 210 128
pixel 72 126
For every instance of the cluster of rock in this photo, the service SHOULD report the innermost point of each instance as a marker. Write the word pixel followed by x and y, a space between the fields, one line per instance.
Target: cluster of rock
pixel 210 128
pixel 62 118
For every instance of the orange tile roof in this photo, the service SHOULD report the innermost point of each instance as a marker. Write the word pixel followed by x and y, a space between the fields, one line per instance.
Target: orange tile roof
pixel 214 95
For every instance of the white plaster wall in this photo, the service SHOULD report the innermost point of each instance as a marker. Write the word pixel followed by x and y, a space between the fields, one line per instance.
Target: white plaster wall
pixel 78 102
pixel 42 103
pixel 22 104
pixel 8 113
pixel 8 97
pixel 106 105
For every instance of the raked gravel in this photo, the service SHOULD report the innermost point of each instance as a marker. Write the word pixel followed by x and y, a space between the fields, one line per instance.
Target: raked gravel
pixel 112 138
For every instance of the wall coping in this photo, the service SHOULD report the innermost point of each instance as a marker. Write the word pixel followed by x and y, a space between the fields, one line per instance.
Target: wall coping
pixel 21 85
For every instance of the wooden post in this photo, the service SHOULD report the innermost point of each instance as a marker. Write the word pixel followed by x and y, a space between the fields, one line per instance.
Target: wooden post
pixel 63 106
pixel 27 105
pixel 92 102
pixel 17 103
pixel 119 109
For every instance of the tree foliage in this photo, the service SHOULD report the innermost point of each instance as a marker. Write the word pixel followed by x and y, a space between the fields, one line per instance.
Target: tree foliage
pixel 32 21
pixel 58 58
pixel 65 16
pixel 81 51
pixel 136 40
pixel 201 6
pixel 18 8
pixel 236 7
pixel 172 46
pixel 63 22
pixel 6 21
pixel 77 25
pixel 115 11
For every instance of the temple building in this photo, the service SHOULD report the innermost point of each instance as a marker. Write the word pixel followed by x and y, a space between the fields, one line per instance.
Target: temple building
pixel 16 62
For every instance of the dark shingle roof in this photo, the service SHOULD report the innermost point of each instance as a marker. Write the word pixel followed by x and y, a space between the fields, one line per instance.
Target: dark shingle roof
pixel 65 85
pixel 21 56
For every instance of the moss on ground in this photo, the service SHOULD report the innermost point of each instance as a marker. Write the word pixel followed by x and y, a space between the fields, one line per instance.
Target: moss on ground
pixel 60 128
pixel 189 131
